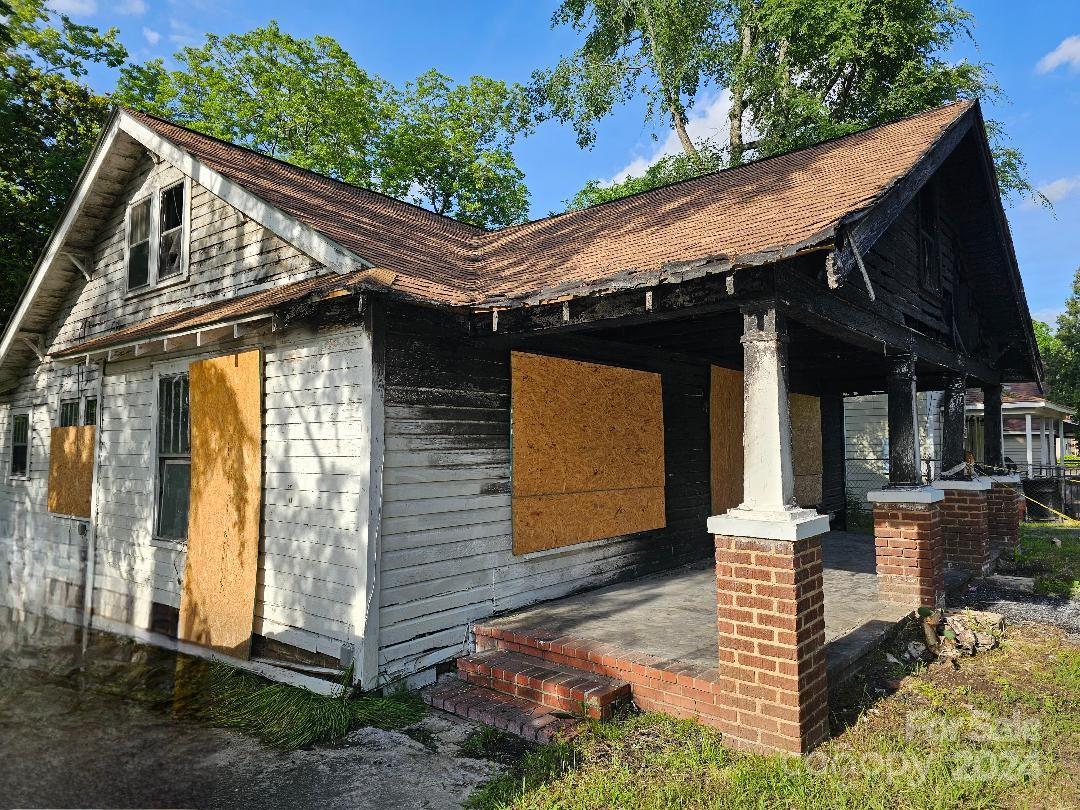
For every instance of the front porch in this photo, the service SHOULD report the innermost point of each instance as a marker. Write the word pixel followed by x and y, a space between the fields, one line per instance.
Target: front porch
pixel 671 616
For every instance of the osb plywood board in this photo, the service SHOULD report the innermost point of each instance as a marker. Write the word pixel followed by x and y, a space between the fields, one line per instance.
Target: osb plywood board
pixel 71 470
pixel 806 448
pixel 587 430
pixel 726 438
pixel 546 521
pixel 218 600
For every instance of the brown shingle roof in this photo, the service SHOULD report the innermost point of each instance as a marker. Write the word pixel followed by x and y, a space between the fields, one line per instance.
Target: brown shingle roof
pixel 1010 392
pixel 773 205
pixel 192 318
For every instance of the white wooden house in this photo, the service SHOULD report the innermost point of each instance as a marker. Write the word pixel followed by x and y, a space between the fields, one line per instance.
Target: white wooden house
pixel 267 413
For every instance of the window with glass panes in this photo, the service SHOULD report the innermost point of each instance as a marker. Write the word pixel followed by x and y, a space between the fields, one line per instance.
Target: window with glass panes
pixel 156 238
pixel 173 456
pixel 90 411
pixel 20 444
pixel 69 413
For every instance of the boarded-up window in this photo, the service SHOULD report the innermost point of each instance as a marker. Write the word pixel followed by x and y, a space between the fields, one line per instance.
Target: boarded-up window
pixel 806 448
pixel 218 601
pixel 726 441
pixel 588 452
pixel 71 470
pixel 726 438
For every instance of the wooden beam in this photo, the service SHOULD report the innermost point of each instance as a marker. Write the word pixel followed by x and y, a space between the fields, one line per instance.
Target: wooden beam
pixel 716 293
pixel 806 301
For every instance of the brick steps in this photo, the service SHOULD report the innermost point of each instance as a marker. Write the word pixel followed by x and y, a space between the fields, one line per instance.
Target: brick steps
pixel 556 686
pixel 509 713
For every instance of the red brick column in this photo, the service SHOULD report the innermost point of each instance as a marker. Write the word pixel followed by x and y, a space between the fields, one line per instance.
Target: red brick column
pixel 1005 510
pixel 965 524
pixel 910 547
pixel 771 622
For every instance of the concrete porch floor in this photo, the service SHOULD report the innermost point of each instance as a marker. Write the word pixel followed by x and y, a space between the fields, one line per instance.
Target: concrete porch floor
pixel 673 614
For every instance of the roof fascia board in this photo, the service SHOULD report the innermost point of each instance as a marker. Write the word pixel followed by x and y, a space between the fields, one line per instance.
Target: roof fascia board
pixel 56 241
pixel 865 227
pixel 1005 235
pixel 302 236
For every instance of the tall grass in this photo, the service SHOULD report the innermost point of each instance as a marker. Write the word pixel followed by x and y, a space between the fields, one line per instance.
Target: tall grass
pixel 284 716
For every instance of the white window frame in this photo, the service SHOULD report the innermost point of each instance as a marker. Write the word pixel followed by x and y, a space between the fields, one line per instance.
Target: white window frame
pixel 153 282
pixel 168 368
pixel 10 439
pixel 83 398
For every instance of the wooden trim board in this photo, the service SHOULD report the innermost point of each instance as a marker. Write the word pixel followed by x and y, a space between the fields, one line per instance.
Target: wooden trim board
pixel 218 600
pixel 588 451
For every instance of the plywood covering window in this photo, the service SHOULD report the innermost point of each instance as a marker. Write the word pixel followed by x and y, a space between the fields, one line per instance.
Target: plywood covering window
pixel 588 452
pixel 218 601
pixel 726 442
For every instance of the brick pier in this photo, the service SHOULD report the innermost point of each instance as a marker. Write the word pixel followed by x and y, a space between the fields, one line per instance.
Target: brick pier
pixel 1005 510
pixel 910 546
pixel 771 622
pixel 965 524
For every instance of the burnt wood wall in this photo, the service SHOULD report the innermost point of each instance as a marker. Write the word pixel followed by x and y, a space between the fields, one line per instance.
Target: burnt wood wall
pixel 447 547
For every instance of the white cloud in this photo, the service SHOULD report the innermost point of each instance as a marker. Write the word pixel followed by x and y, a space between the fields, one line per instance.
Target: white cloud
pixel 182 32
pixel 1047 315
pixel 152 36
pixel 709 121
pixel 74 8
pixel 1061 188
pixel 135 7
pixel 1067 53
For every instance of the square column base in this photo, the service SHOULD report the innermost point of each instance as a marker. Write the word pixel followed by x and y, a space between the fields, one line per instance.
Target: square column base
pixel 1005 504
pixel 771 634
pixel 965 524
pixel 909 546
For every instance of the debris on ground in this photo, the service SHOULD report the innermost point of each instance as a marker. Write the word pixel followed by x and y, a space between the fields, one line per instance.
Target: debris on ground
pixel 951 634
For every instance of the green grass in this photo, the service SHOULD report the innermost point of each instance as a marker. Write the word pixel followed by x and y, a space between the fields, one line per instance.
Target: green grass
pixel 284 716
pixel 1001 731
pixel 1051 553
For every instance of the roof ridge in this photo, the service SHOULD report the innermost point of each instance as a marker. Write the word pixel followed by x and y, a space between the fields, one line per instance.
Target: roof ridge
pixel 482 232
pixel 351 186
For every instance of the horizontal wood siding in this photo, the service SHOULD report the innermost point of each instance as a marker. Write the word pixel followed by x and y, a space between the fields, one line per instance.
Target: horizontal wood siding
pixel 447 555
pixel 316 387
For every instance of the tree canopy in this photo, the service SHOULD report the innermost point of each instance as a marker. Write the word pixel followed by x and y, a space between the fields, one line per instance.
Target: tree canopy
pixel 1060 351
pixel 49 121
pixel 798 72
pixel 439 144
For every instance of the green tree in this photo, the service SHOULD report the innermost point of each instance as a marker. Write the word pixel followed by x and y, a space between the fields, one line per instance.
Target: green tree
pixel 305 101
pixel 49 121
pixel 665 171
pixel 798 71
pixel 449 148
pixel 662 50
pixel 308 102
pixel 1061 350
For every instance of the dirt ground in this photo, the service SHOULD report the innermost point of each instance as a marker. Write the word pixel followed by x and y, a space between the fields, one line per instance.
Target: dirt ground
pixel 68 741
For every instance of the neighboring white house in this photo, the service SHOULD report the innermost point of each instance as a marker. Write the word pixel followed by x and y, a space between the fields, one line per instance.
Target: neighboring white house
pixel 1036 432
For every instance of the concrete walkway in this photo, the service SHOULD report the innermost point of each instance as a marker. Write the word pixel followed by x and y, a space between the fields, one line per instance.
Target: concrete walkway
pixel 673 614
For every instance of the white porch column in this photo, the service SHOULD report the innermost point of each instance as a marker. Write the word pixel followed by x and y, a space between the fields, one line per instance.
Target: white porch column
pixel 1027 432
pixel 1062 449
pixel 768 509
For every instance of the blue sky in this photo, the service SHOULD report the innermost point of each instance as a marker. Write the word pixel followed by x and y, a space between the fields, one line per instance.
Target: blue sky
pixel 1034 48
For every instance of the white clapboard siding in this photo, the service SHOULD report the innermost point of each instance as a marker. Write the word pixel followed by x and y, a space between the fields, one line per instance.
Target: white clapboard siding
pixel 317 387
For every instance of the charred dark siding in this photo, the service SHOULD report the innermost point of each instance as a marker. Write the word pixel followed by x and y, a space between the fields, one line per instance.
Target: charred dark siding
pixel 446 547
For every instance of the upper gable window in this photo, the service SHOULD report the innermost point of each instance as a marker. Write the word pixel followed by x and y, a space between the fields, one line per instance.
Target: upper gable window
pixel 156 237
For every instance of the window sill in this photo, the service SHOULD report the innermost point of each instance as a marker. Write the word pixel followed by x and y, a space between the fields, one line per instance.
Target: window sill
pixel 148 291
pixel 18 478
pixel 62 516
pixel 172 545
